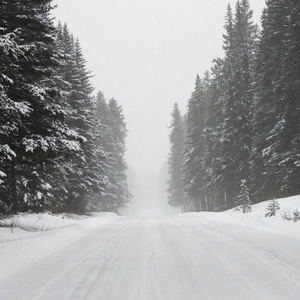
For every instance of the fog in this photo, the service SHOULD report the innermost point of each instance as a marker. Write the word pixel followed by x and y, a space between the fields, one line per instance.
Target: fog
pixel 149 194
pixel 146 54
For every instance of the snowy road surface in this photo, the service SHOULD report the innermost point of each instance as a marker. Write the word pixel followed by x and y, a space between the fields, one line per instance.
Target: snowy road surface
pixel 158 258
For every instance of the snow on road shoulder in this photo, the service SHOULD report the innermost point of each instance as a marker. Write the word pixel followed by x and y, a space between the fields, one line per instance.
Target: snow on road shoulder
pixel 256 218
pixel 36 236
pixel 28 225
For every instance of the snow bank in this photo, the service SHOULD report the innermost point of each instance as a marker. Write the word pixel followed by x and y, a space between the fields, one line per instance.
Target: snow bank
pixel 257 219
pixel 26 225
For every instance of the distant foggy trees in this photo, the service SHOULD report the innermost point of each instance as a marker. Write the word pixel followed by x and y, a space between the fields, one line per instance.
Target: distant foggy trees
pixel 243 118
pixel 110 115
pixel 175 190
pixel 52 150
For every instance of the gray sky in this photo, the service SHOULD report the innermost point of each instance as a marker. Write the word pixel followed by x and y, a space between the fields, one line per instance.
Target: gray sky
pixel 146 54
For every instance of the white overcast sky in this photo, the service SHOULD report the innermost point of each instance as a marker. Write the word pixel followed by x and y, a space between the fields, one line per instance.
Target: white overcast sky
pixel 146 54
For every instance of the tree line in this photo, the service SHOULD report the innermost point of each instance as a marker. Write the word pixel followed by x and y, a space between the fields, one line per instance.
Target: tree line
pixel 243 117
pixel 61 148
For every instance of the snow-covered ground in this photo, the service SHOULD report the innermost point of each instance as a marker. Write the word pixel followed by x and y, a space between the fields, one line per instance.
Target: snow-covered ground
pixel 203 256
pixel 256 219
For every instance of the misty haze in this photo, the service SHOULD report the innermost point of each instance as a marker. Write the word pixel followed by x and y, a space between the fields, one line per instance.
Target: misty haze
pixel 149 150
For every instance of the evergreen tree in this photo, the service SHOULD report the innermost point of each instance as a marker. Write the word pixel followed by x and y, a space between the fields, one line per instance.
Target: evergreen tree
pixel 296 215
pixel 10 111
pixel 39 132
pixel 240 43
pixel 117 125
pixel 175 190
pixel 83 170
pixel 106 199
pixel 214 123
pixel 272 208
pixel 268 98
pixel 115 195
pixel 243 198
pixel 195 149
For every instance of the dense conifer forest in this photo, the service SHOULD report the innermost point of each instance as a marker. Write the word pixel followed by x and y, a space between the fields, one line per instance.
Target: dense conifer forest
pixel 243 119
pixel 61 148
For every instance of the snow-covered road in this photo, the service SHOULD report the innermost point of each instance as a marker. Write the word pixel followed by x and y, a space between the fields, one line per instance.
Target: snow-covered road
pixel 173 258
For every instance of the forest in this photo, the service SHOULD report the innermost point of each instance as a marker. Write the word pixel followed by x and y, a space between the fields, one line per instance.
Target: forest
pixel 242 126
pixel 61 147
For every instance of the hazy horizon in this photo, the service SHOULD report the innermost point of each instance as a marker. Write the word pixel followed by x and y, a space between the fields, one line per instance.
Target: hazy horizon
pixel 146 54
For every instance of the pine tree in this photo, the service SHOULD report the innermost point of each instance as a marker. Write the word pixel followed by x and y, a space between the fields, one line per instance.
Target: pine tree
pixel 195 149
pixel 40 133
pixel 272 208
pixel 215 117
pixel 106 199
pixel 175 190
pixel 10 111
pixel 288 138
pixel 243 198
pixel 118 129
pixel 296 215
pixel 115 195
pixel 268 98
pixel 240 43
pixel 83 170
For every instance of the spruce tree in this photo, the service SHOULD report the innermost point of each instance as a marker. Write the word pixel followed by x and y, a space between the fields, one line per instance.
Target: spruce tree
pixel 176 194
pixel 118 129
pixel 243 198
pixel 83 169
pixel 268 98
pixel 213 157
pixel 40 132
pixel 105 199
pixel 195 147
pixel 272 208
pixel 115 195
pixel 240 43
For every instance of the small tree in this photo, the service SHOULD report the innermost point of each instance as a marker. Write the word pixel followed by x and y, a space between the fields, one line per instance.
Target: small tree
pixel 272 208
pixel 286 216
pixel 243 198
pixel 296 216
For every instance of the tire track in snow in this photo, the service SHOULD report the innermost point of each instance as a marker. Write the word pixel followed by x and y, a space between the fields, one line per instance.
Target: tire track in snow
pixel 58 266
pixel 271 265
pixel 87 285
pixel 289 267
pixel 161 259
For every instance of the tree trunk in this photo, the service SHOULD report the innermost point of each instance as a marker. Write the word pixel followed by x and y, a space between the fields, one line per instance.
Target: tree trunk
pixel 14 189
pixel 212 199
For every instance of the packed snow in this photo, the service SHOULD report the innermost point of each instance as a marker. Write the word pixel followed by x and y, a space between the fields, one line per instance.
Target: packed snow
pixel 228 255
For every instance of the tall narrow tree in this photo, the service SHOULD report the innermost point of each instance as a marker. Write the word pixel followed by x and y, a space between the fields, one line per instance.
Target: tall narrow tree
pixel 115 195
pixel 176 194
pixel 118 129
pixel 240 43
pixel 195 149
pixel 269 120
pixel 84 173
